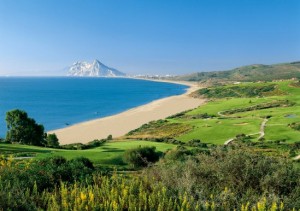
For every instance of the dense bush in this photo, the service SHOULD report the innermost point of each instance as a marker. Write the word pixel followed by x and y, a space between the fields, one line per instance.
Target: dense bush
pixel 273 104
pixel 232 178
pixel 179 153
pixel 237 91
pixel 141 156
pixel 46 173
pixel 295 125
pixel 178 115
pixel 237 176
pixel 196 143
pixel 79 146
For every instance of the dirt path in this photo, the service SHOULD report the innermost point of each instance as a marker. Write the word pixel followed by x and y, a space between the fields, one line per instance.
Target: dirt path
pixel 228 141
pixel 261 132
pixel 262 128
pixel 297 157
pixel 221 115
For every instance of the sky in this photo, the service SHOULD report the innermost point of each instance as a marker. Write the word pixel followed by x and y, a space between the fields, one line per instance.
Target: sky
pixel 146 36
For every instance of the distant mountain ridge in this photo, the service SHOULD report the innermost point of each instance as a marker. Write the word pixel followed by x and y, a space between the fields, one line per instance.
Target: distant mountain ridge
pixel 93 69
pixel 256 72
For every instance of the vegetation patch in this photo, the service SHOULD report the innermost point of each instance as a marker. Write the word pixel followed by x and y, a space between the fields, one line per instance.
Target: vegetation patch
pixel 231 178
pixel 178 115
pixel 273 104
pixel 79 146
pixel 250 73
pixel 295 125
pixel 257 90
pixel 159 129
pixel 296 84
pixel 141 156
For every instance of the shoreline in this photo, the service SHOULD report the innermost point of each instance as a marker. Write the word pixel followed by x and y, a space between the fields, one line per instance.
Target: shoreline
pixel 119 124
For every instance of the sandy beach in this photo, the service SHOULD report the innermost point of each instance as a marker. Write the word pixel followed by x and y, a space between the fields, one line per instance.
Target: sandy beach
pixel 120 124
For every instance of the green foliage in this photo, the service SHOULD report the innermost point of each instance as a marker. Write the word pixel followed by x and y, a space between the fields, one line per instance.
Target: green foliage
pixel 179 153
pixel 141 156
pixel 295 125
pixel 237 91
pixel 159 129
pixel 296 84
pixel 52 140
pixel 273 104
pixel 24 130
pixel 79 146
pixel 251 73
pixel 178 115
pixel 47 173
pixel 196 143
pixel 233 176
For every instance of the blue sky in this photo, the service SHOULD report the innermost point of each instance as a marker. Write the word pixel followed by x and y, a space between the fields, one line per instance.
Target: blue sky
pixel 146 36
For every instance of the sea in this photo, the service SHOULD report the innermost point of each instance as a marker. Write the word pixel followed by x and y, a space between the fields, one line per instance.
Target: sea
pixel 57 102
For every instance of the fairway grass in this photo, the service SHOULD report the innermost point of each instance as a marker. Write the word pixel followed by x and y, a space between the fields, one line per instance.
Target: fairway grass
pixel 221 128
pixel 110 153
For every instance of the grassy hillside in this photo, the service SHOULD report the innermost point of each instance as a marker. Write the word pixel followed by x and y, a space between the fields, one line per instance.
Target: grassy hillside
pixel 241 109
pixel 110 153
pixel 257 72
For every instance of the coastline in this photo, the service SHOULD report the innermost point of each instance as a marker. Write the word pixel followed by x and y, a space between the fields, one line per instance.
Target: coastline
pixel 119 124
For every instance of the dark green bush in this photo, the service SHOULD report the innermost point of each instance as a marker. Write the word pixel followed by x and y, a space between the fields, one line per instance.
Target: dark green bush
pixel 48 172
pixel 295 125
pixel 79 146
pixel 196 143
pixel 141 156
pixel 242 173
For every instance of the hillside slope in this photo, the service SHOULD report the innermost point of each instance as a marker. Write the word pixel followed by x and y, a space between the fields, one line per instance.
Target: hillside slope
pixel 256 72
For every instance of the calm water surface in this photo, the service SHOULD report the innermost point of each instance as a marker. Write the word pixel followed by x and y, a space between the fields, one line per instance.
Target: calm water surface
pixel 58 102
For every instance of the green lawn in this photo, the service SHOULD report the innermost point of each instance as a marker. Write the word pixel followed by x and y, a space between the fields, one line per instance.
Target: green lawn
pixel 219 129
pixel 109 153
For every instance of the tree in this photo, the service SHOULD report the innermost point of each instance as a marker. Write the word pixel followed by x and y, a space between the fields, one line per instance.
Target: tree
pixel 52 140
pixel 22 129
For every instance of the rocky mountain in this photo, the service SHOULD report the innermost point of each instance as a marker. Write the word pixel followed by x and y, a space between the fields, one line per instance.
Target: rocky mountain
pixel 94 69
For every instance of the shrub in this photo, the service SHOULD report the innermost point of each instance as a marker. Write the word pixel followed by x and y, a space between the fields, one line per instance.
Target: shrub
pixel 295 126
pixel 179 153
pixel 79 146
pixel 141 156
pixel 243 175
pixel 47 173
pixel 196 143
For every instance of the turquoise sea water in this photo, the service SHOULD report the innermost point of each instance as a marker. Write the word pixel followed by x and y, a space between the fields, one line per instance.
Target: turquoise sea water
pixel 58 102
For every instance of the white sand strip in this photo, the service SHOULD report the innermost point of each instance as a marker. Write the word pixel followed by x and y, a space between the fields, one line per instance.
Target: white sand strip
pixel 120 124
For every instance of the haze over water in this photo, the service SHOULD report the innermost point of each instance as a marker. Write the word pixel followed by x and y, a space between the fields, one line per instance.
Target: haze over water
pixel 60 101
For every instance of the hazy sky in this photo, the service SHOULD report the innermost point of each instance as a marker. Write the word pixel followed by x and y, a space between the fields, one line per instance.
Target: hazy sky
pixel 146 36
